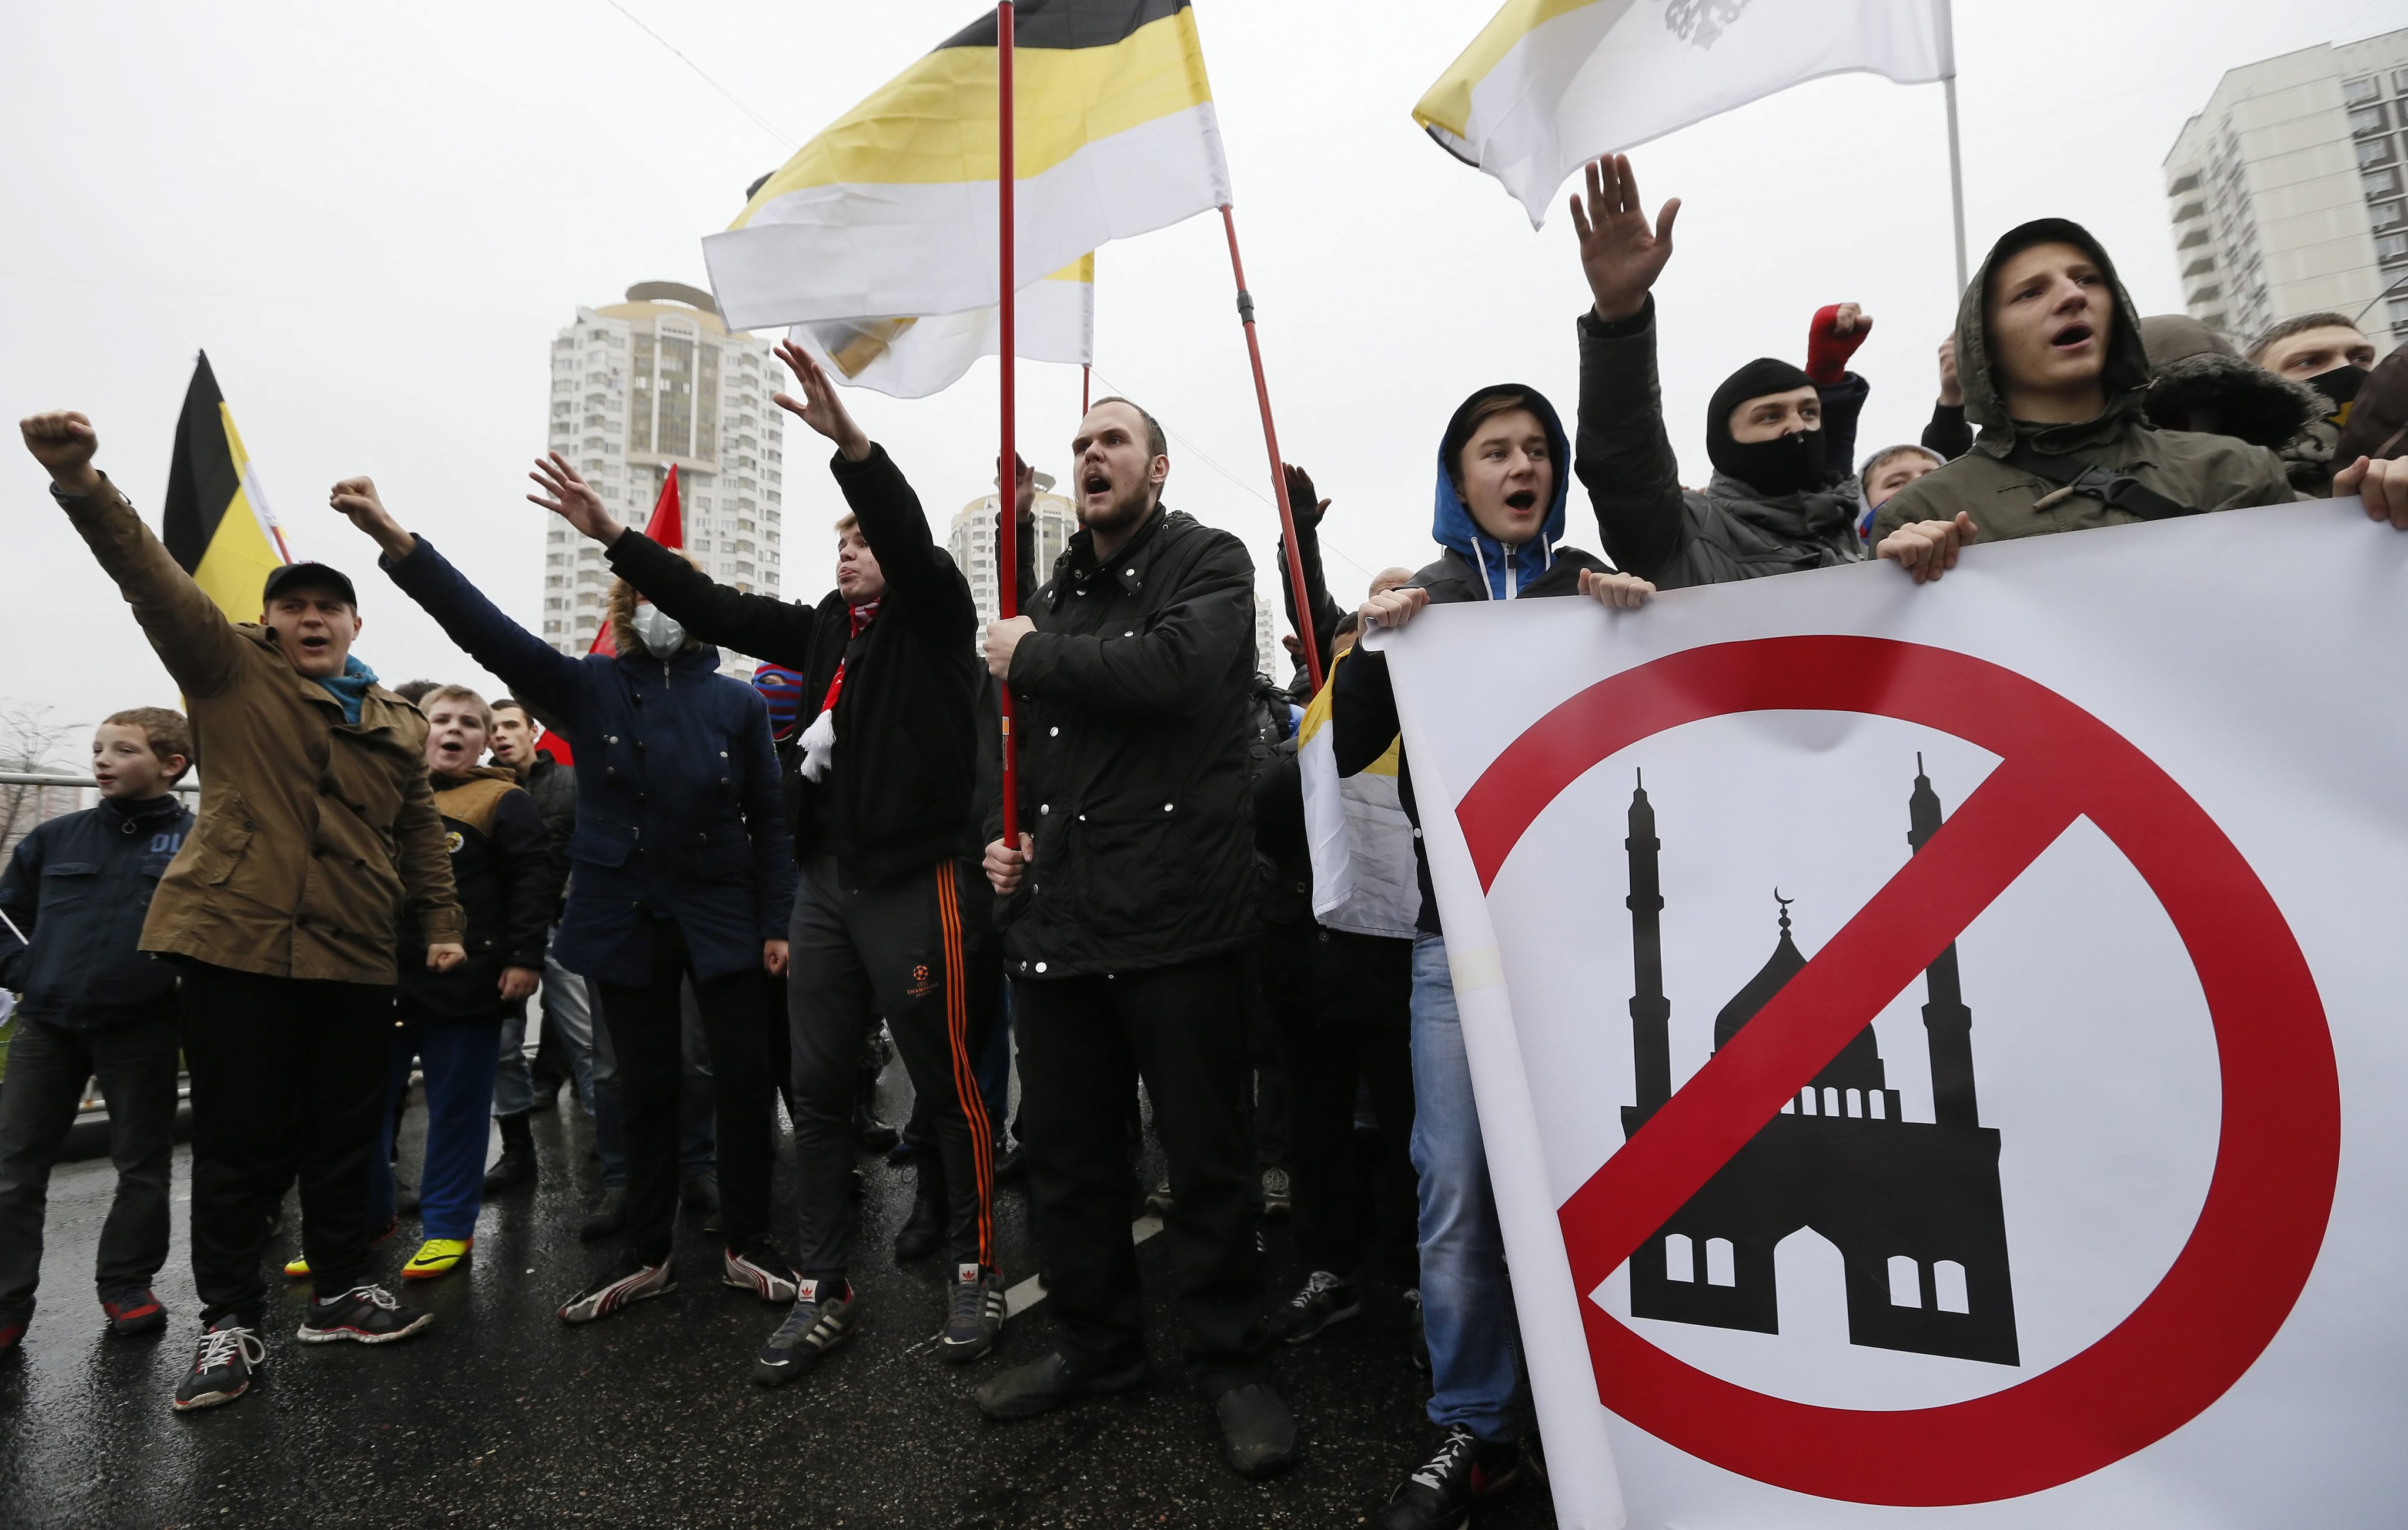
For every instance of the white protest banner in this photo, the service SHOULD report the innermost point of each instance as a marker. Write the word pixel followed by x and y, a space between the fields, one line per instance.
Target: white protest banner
pixel 1940 1048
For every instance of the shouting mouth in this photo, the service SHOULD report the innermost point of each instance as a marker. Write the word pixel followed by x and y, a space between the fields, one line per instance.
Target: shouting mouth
pixel 1523 500
pixel 2072 338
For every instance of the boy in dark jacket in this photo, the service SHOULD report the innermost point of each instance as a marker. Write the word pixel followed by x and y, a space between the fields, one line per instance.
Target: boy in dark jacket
pixel 1501 487
pixel 880 789
pixel 451 1022
pixel 93 1003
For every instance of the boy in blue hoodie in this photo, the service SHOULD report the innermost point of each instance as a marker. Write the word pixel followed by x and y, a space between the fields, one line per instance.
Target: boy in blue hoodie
pixel 71 909
pixel 1503 475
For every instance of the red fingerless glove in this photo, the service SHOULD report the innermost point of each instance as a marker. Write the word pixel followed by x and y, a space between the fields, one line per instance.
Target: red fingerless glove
pixel 1828 354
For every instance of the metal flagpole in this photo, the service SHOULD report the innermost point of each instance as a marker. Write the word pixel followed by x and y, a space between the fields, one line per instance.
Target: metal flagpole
pixel 1955 181
pixel 1278 472
pixel 1007 462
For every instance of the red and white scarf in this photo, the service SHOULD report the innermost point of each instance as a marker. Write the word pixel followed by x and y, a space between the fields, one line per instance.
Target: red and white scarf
pixel 818 739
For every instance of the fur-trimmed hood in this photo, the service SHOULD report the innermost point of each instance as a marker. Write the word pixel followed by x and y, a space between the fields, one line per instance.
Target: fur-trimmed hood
pixel 2199 383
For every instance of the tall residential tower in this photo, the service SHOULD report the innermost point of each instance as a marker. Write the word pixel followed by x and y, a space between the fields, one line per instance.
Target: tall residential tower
pixel 2288 191
pixel 640 386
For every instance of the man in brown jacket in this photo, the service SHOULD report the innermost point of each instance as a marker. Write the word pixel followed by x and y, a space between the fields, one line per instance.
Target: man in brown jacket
pixel 317 830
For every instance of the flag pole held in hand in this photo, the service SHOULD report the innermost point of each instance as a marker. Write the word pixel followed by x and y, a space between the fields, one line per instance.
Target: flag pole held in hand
pixel 1270 440
pixel 1007 478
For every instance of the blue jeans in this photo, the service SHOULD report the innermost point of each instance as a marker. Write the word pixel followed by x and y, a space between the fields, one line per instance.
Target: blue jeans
pixel 459 1062
pixel 1467 1297
pixel 570 1005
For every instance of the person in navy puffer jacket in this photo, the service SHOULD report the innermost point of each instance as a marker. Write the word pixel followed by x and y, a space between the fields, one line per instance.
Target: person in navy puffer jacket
pixel 681 865
pixel 74 899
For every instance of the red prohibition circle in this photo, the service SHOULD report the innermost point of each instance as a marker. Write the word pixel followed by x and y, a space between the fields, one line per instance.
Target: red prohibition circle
pixel 2260 1228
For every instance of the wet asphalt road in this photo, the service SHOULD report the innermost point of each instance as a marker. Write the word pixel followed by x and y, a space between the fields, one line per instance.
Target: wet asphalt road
pixel 500 1414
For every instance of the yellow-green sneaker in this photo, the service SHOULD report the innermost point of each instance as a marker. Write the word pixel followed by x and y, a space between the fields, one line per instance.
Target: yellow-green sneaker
pixel 437 1256
pixel 297 1269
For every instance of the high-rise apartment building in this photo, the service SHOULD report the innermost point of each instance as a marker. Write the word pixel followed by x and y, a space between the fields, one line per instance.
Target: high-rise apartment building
pixel 971 541
pixel 2289 191
pixel 640 386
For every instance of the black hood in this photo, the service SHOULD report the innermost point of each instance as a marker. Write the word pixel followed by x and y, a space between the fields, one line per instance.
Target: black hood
pixel 2128 360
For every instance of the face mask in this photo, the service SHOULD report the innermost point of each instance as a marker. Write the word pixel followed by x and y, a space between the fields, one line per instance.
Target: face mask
pixel 1786 465
pixel 2338 386
pixel 662 633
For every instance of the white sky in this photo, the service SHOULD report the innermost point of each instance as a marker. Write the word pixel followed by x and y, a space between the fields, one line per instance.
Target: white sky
pixel 375 218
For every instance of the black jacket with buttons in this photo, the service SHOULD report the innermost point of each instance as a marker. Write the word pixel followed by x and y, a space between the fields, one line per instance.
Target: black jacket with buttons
pixel 899 791
pixel 1135 703
pixel 79 888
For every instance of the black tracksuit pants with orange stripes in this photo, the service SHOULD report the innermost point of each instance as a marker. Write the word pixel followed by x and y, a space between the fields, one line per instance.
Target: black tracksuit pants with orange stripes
pixel 899 949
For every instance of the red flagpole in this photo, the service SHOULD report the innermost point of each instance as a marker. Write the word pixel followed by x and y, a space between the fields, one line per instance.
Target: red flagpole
pixel 1007 462
pixel 1279 473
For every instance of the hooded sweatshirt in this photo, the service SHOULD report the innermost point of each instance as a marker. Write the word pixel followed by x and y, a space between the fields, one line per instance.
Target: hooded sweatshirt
pixel 2206 472
pixel 1732 530
pixel 1474 567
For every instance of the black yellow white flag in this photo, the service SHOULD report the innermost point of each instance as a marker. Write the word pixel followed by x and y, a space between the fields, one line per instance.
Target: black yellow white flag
pixel 215 521
pixel 911 358
pixel 892 209
pixel 1550 83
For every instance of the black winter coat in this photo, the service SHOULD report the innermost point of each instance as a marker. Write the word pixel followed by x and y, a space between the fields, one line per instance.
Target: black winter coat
pixel 898 794
pixel 1135 699
pixel 1678 537
pixel 80 886
pixel 554 786
pixel 501 864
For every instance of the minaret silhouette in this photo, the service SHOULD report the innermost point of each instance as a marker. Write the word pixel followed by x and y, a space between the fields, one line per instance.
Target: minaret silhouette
pixel 1651 1012
pixel 1947 1023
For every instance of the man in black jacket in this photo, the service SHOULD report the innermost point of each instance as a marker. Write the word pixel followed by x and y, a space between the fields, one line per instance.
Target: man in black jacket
pixel 881 798
pixel 74 897
pixel 1783 495
pixel 567 1008
pixel 1129 902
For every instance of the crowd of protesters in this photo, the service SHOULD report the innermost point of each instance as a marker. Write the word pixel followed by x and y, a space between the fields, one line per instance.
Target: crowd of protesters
pixel 733 888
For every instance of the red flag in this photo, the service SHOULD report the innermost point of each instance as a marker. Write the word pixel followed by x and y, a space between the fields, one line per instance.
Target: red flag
pixel 666 527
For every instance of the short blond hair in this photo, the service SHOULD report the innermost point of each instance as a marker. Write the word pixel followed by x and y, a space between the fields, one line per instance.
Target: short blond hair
pixel 847 523
pixel 459 693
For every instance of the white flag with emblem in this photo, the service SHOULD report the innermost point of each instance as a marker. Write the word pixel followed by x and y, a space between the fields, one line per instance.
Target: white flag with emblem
pixel 1550 83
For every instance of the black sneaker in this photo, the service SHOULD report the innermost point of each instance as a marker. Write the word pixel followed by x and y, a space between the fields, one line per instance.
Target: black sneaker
pixel 975 1320
pixel 607 1215
pixel 819 1322
pixel 923 1231
pixel 1442 1494
pixel 1323 1299
pixel 762 1270
pixel 365 1315
pixel 1257 1431
pixel 229 1352
pixel 1047 1382
pixel 130 1309
pixel 629 1283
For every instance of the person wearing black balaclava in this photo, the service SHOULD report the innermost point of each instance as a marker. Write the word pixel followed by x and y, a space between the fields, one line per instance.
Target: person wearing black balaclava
pixel 1782 438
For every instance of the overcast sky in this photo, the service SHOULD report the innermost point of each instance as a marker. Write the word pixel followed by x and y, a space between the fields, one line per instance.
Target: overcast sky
pixel 375 218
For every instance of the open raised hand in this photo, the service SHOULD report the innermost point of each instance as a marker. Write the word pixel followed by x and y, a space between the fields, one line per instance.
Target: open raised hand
pixel 819 407
pixel 1302 501
pixel 568 495
pixel 1620 253
pixel 63 443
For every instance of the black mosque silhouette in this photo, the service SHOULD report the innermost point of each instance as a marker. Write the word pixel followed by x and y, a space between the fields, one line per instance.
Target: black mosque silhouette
pixel 1913 1206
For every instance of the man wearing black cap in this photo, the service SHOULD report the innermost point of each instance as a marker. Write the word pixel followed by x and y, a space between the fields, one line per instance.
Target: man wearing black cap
pixel 317 827
pixel 1782 438
pixel 2055 374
